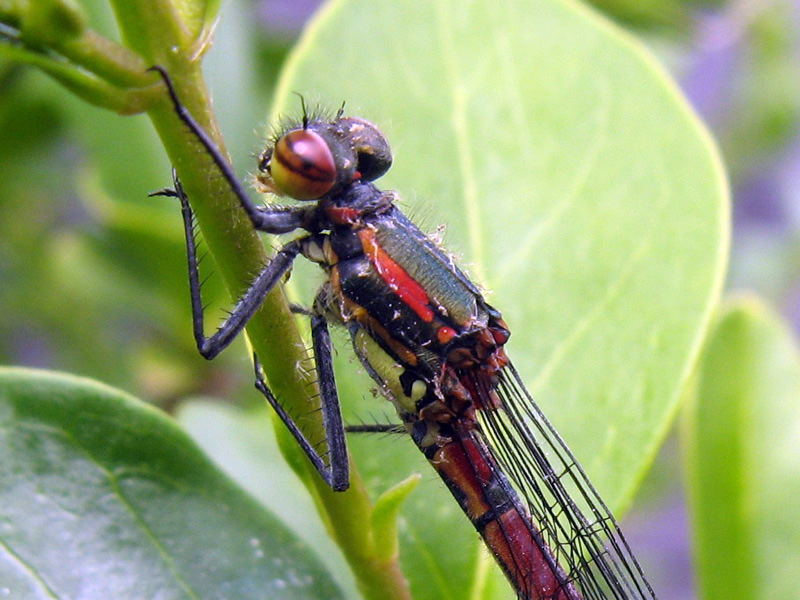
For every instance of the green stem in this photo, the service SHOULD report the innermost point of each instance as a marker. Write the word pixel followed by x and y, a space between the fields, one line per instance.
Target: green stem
pixel 108 60
pixel 83 84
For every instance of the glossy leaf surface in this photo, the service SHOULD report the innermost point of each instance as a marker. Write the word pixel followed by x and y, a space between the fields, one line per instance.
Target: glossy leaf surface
pixel 102 496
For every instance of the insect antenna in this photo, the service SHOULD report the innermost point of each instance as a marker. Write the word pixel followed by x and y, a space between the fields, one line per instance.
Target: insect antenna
pixel 303 108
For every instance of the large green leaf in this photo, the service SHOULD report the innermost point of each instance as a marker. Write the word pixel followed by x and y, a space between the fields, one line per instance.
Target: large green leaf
pixel 102 496
pixel 243 443
pixel 576 184
pixel 742 437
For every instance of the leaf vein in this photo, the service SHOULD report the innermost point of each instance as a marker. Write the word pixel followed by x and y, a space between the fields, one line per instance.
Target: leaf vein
pixel 28 569
pixel 582 177
pixel 613 291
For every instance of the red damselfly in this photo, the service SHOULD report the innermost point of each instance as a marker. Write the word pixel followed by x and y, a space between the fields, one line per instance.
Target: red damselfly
pixel 434 346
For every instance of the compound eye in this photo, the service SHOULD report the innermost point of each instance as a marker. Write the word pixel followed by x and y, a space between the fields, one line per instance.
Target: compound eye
pixel 302 165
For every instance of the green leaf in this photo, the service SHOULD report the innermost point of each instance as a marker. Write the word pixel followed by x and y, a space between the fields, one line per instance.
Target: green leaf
pixel 102 496
pixel 384 517
pixel 742 436
pixel 243 443
pixel 576 184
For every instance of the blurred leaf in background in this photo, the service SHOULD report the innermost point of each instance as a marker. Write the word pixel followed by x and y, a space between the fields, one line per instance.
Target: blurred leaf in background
pixel 741 433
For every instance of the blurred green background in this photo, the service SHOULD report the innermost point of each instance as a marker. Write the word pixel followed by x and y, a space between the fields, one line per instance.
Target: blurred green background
pixel 78 230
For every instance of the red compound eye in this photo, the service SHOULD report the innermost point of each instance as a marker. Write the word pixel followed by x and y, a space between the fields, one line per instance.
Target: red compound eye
pixel 302 165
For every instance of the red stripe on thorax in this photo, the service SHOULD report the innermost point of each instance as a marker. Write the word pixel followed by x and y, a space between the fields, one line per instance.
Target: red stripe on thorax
pixel 343 215
pixel 396 277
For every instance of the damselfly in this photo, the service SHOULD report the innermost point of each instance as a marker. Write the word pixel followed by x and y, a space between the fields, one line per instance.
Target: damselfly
pixel 434 346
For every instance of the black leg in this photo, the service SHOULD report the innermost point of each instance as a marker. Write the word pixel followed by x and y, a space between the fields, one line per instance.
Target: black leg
pixel 331 412
pixel 269 219
pixel 337 472
pixel 297 309
pixel 247 305
pixel 272 220
pixel 389 428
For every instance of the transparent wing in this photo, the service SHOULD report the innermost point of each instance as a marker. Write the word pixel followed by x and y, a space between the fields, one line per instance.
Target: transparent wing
pixel 587 542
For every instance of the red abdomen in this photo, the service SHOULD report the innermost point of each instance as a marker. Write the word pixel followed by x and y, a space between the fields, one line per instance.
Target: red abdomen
pixel 467 467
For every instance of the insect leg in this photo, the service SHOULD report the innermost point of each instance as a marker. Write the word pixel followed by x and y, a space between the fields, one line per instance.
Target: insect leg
pixel 390 428
pixel 331 412
pixel 269 219
pixel 248 304
pixel 337 472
